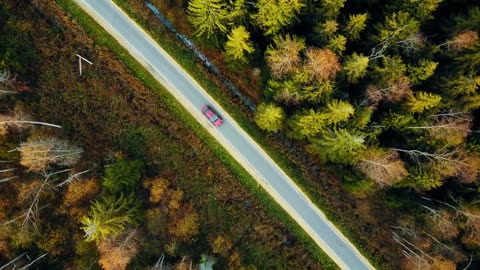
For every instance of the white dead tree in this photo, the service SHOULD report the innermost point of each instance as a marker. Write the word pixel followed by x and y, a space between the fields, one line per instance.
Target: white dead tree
pixel 80 60
pixel 159 265
pixel 470 215
pixel 12 262
pixel 33 261
pixel 394 91
pixel 21 259
pixel 419 258
pixel 442 155
pixel 19 120
pixel 6 173
pixel 451 128
pixel 71 177
pixel 414 42
pixel 38 154
pixel 384 167
pixel 31 214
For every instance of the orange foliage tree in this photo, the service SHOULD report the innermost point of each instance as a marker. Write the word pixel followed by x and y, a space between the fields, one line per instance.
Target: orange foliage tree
pixel 321 64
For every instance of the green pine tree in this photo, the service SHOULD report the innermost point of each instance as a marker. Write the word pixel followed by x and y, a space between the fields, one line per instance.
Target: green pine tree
pixel 339 111
pixel 420 9
pixel 339 146
pixel 269 117
pixel 331 8
pixel 422 71
pixel 423 101
pixel 238 44
pixel 390 69
pixel 326 30
pixel 109 216
pixel 122 176
pixel 273 15
pixel 307 124
pixel 355 25
pixel 422 180
pixel 397 27
pixel 355 67
pixel 337 44
pixel 208 16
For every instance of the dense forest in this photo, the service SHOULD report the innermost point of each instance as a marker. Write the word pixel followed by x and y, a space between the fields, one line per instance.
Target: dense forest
pixel 376 102
pixel 386 91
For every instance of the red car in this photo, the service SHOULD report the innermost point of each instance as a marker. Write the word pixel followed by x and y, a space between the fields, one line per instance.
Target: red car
pixel 212 116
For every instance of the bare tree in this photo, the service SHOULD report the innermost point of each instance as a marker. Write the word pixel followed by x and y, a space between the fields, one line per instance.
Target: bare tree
pixel 37 154
pixel 394 91
pixel 321 64
pixel 13 261
pixel 22 256
pixel 31 214
pixel 414 43
pixel 449 128
pixel 19 119
pixel 441 155
pixel 461 41
pixel 442 222
pixel 159 265
pixel 470 215
pixel 71 177
pixel 117 252
pixel 34 261
pixel 384 167
pixel 7 175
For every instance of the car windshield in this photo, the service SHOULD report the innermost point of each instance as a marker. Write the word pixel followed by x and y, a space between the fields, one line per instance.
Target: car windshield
pixel 214 118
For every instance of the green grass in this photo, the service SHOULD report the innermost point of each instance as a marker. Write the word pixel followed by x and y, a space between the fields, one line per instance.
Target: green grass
pixel 189 62
pixel 186 59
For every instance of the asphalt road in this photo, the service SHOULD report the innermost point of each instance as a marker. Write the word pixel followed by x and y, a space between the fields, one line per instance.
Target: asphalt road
pixel 230 135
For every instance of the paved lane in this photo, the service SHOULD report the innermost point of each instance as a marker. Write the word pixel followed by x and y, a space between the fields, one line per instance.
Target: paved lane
pixel 230 135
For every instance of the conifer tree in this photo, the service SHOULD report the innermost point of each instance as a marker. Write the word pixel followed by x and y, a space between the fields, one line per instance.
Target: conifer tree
pixel 308 123
pixel 289 91
pixel 389 70
pixel 269 117
pixel 326 30
pixel 337 44
pixel 422 71
pixel 208 16
pixel 397 27
pixel 273 15
pixel 421 10
pixel 339 146
pixel 355 25
pixel 470 21
pixel 318 91
pixel 422 179
pixel 331 8
pixel 355 67
pixel 238 44
pixel 423 101
pixel 108 217
pixel 469 61
pixel 339 111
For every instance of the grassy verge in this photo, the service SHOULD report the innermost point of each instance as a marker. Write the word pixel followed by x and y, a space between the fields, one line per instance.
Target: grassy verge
pixel 187 60
pixel 190 63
